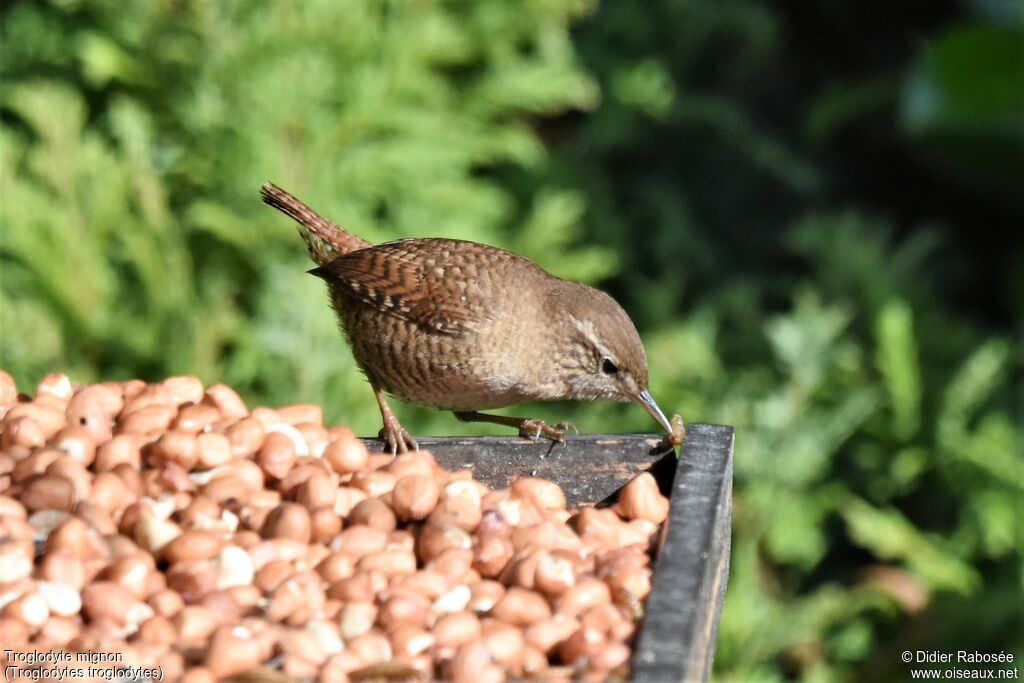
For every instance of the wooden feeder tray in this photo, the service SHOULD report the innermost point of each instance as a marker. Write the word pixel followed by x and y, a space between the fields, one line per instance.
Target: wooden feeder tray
pixel 676 641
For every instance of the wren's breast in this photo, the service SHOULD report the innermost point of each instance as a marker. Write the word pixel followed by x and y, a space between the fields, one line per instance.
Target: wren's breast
pixel 425 368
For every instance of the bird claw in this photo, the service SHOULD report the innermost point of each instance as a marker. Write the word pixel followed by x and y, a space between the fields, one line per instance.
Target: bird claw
pixel 397 440
pixel 533 429
pixel 564 427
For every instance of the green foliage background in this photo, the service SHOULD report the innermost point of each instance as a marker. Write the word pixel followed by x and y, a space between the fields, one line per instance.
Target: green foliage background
pixel 812 211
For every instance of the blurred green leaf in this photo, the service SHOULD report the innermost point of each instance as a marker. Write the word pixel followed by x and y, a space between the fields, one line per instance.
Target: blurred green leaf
pixel 972 384
pixel 646 87
pixel 963 103
pixel 890 536
pixel 971 79
pixel 802 340
pixel 103 60
pixel 897 360
pixel 841 105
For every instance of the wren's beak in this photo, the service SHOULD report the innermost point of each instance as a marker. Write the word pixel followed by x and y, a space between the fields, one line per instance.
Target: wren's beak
pixel 645 399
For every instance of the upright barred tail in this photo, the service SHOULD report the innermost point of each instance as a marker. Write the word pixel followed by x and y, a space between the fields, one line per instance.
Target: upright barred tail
pixel 325 240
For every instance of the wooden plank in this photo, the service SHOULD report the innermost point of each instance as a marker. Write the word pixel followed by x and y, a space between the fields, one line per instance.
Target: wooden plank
pixel 677 637
pixel 590 469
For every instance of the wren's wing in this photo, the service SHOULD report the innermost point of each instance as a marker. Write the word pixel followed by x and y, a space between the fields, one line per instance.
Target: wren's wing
pixel 442 285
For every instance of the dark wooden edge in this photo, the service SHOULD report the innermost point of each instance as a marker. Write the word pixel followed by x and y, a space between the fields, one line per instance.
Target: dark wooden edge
pixel 677 637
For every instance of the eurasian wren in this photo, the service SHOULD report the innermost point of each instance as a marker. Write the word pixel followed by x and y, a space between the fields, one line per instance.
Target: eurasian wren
pixel 463 326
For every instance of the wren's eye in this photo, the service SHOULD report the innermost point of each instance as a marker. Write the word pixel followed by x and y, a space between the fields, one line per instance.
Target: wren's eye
pixel 608 367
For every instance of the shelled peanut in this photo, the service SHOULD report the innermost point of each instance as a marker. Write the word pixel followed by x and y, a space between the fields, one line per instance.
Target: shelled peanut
pixel 171 524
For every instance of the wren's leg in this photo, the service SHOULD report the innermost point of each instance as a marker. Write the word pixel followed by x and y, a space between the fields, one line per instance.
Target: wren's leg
pixel 527 426
pixel 397 439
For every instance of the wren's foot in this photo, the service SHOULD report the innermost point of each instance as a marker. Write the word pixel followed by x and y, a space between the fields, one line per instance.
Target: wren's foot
pixel 395 437
pixel 533 428
pixel 529 427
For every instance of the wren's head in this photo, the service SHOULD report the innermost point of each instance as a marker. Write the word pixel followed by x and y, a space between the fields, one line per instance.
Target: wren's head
pixel 602 355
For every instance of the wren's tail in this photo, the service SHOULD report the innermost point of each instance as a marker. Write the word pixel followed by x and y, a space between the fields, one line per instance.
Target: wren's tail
pixel 325 240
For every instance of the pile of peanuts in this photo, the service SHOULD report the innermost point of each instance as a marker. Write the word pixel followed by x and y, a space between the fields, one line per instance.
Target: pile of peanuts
pixel 170 524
